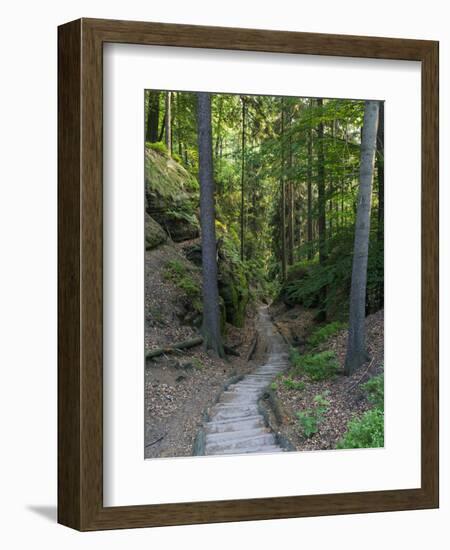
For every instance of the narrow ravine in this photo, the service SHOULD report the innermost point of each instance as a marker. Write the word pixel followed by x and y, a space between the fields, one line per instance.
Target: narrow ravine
pixel 235 424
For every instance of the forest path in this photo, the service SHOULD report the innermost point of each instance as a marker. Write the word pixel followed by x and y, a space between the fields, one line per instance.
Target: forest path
pixel 236 425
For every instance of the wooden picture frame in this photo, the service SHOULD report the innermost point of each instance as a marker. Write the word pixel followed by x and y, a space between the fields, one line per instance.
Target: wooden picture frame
pixel 80 272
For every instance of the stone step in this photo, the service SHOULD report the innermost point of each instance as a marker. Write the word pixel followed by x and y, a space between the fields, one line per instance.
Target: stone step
pixel 241 434
pixel 251 384
pixel 260 377
pixel 234 424
pixel 246 390
pixel 239 397
pixel 223 412
pixel 240 443
pixel 268 449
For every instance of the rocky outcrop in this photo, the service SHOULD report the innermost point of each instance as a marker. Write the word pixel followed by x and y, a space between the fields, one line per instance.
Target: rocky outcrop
pixel 232 281
pixel 171 196
pixel 154 233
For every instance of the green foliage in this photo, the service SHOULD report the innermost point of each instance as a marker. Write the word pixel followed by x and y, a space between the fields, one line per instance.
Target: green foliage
pixel 316 366
pixel 322 334
pixel 310 419
pixel 184 212
pixel 198 365
pixel 375 390
pixel 272 127
pixel 307 281
pixel 273 386
pixel 233 282
pixel 157 146
pixel 167 179
pixel 177 272
pixel 365 432
pixel 291 384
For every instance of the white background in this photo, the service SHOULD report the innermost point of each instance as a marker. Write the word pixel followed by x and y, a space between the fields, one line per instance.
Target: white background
pixel 128 479
pixel 28 274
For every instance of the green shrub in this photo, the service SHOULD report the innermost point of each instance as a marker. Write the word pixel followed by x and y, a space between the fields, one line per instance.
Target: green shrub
pixel 198 365
pixel 157 146
pixel 365 432
pixel 317 366
pixel 177 158
pixel 307 280
pixel 310 420
pixel 375 390
pixel 293 384
pixel 322 334
pixel 273 386
pixel 177 272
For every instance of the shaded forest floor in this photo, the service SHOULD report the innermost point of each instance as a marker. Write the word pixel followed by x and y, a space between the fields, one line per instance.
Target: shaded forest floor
pixel 344 393
pixel 180 387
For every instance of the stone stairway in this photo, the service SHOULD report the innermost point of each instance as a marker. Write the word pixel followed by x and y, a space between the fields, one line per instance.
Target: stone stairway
pixel 236 426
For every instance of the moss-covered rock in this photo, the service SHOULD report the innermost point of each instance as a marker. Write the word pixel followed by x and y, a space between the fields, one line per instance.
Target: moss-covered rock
pixel 233 282
pixel 233 288
pixel 154 233
pixel 171 195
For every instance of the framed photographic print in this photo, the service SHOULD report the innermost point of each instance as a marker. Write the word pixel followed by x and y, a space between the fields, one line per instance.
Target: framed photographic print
pixel 248 274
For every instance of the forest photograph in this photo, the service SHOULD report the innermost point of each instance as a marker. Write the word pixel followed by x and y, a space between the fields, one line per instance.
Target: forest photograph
pixel 264 274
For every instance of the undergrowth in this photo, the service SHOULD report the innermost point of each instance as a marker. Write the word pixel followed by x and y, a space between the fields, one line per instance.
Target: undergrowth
pixel 176 272
pixel 316 366
pixel 322 334
pixel 309 420
pixel 368 430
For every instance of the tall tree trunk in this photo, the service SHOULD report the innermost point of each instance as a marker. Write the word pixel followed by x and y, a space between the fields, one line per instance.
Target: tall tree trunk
pixel 380 178
pixel 211 312
pixel 309 188
pixel 356 347
pixel 380 171
pixel 283 198
pixel 152 117
pixel 242 213
pixel 219 128
pixel 168 122
pixel 321 198
pixel 163 127
pixel 331 185
pixel 290 210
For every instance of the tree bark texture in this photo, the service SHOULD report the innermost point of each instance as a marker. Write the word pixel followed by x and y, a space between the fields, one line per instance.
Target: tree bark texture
pixel 356 347
pixel 309 190
pixel 283 199
pixel 152 117
pixel 211 314
pixel 242 213
pixel 168 122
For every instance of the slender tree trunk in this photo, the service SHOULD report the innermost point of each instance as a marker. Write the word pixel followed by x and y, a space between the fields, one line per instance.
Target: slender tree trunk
pixel 290 203
pixel 179 125
pixel 211 312
pixel 331 185
pixel 356 347
pixel 244 108
pixel 168 122
pixel 152 117
pixel 219 128
pixel 163 127
pixel 283 199
pixel 309 188
pixel 380 171
pixel 380 178
pixel 321 201
pixel 321 185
